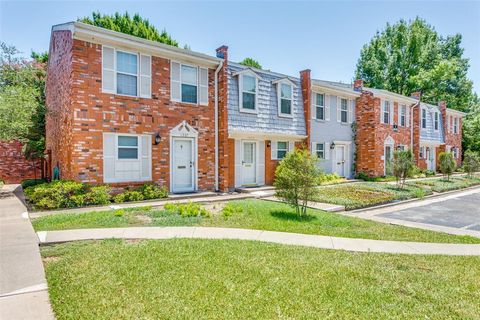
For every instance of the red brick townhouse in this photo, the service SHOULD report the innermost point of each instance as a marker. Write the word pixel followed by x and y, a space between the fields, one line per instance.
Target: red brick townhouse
pixel 124 110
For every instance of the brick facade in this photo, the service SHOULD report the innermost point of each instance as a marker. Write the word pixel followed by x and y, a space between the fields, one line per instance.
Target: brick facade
pixel 451 139
pixel 372 134
pixel 306 83
pixel 86 112
pixel 14 168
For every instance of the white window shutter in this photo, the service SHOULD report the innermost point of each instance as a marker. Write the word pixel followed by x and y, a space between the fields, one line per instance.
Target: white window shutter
pixel 273 145
pixel 238 163
pixel 145 76
pixel 392 111
pixel 240 92
pixel 351 115
pixel 339 101
pixel 382 105
pixel 203 85
pixel 407 115
pixel 175 84
pixel 326 150
pixel 448 124
pixel 108 69
pixel 291 146
pixel 313 107
pixel 146 157
pixel 313 149
pixel 109 157
pixel 261 163
pixel 327 107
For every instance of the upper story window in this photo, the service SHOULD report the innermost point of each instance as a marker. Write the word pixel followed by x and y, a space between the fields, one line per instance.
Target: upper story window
pixel 424 118
pixel 344 110
pixel 188 84
pixel 282 149
pixel 126 73
pixel 386 112
pixel 320 150
pixel 286 93
pixel 248 92
pixel 403 115
pixel 455 125
pixel 127 148
pixel 319 103
pixel 436 121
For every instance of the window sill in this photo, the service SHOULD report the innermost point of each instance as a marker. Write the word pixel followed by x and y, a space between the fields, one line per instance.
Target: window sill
pixel 242 110
pixel 285 115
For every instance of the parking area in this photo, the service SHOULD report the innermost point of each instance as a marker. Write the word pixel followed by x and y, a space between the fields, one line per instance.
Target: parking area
pixel 462 212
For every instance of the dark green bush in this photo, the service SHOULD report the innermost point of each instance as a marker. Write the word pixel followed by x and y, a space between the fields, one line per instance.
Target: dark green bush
pixel 32 182
pixel 54 195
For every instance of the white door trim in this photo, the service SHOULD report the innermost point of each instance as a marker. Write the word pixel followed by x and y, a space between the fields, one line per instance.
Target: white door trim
pixel 242 142
pixel 346 156
pixel 194 167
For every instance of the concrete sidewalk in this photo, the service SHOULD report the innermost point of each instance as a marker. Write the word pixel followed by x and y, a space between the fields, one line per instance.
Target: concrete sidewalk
pixel 324 242
pixel 23 287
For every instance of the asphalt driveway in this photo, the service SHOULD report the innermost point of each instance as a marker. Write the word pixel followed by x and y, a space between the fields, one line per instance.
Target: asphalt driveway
pixel 462 212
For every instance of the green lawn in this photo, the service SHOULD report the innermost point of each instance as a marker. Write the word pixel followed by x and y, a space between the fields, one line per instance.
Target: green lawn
pixel 251 214
pixel 230 279
pixel 442 185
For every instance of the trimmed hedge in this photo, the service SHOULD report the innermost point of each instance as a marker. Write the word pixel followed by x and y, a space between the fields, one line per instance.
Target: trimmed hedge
pixel 72 194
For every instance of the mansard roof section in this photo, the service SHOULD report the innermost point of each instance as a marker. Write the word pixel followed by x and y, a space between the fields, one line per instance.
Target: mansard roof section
pixel 247 71
pixel 334 87
pixel 456 112
pixel 262 72
pixel 285 80
pixel 86 32
pixel 388 95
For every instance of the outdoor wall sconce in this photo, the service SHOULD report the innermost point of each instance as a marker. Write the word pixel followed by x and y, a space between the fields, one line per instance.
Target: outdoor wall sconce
pixel 157 138
pixel 332 146
pixel 269 144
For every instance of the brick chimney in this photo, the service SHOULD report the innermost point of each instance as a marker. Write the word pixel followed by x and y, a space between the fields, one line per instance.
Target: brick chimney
pixel 222 52
pixel 306 84
pixel 416 95
pixel 358 85
pixel 442 105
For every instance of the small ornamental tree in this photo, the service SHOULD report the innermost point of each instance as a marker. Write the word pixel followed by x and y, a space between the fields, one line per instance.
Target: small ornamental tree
pixel 471 162
pixel 296 179
pixel 447 164
pixel 403 166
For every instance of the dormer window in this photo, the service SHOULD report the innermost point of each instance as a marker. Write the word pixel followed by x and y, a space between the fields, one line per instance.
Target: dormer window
pixel 248 88
pixel 286 93
pixel 424 119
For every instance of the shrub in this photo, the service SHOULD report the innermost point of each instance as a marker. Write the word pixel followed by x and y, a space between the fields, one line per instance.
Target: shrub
pixel 230 209
pixel 152 191
pixel 190 209
pixel 447 164
pixel 296 179
pixel 99 195
pixel 128 196
pixel 54 195
pixel 32 182
pixel 402 166
pixel 471 162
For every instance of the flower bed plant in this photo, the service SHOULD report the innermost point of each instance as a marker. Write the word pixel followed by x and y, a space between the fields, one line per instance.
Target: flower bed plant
pixel 71 194
pixel 442 185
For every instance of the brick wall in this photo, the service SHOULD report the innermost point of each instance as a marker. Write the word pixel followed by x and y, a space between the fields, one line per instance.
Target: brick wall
pixel 452 139
pixel 306 83
pixel 371 135
pixel 13 166
pixel 93 112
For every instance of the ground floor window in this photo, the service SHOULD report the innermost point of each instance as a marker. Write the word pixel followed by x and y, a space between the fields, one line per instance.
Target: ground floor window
pixel 282 149
pixel 320 150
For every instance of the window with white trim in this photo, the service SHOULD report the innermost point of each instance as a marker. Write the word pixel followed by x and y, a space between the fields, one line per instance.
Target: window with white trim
pixel 319 106
pixel 455 125
pixel 127 73
pixel 400 147
pixel 436 121
pixel 424 119
pixel 127 148
pixel 386 112
pixel 320 150
pixel 282 149
pixel 188 83
pixel 286 93
pixel 455 152
pixel 344 110
pixel 248 92
pixel 421 154
pixel 403 115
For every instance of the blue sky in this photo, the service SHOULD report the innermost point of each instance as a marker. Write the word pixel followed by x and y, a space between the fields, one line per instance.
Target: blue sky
pixel 285 37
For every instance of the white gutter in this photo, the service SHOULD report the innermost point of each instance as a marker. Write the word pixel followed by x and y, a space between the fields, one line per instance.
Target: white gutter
pixel 216 123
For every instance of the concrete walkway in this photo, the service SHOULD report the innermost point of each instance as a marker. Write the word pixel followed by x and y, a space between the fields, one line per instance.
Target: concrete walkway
pixel 324 242
pixel 23 288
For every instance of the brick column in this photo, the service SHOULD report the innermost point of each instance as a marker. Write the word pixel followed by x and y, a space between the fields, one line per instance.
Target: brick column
pixel 225 152
pixel 306 84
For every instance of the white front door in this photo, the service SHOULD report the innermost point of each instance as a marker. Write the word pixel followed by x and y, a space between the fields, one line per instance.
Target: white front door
pixel 183 165
pixel 340 160
pixel 249 168
pixel 430 158
pixel 388 159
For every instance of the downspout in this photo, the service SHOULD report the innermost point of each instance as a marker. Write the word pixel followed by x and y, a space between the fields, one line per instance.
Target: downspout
pixel 216 123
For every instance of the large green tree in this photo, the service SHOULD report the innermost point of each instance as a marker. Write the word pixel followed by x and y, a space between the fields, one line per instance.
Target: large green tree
pixel 471 128
pixel 135 26
pixel 410 56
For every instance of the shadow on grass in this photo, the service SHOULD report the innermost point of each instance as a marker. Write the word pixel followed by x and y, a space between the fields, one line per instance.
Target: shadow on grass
pixel 291 216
